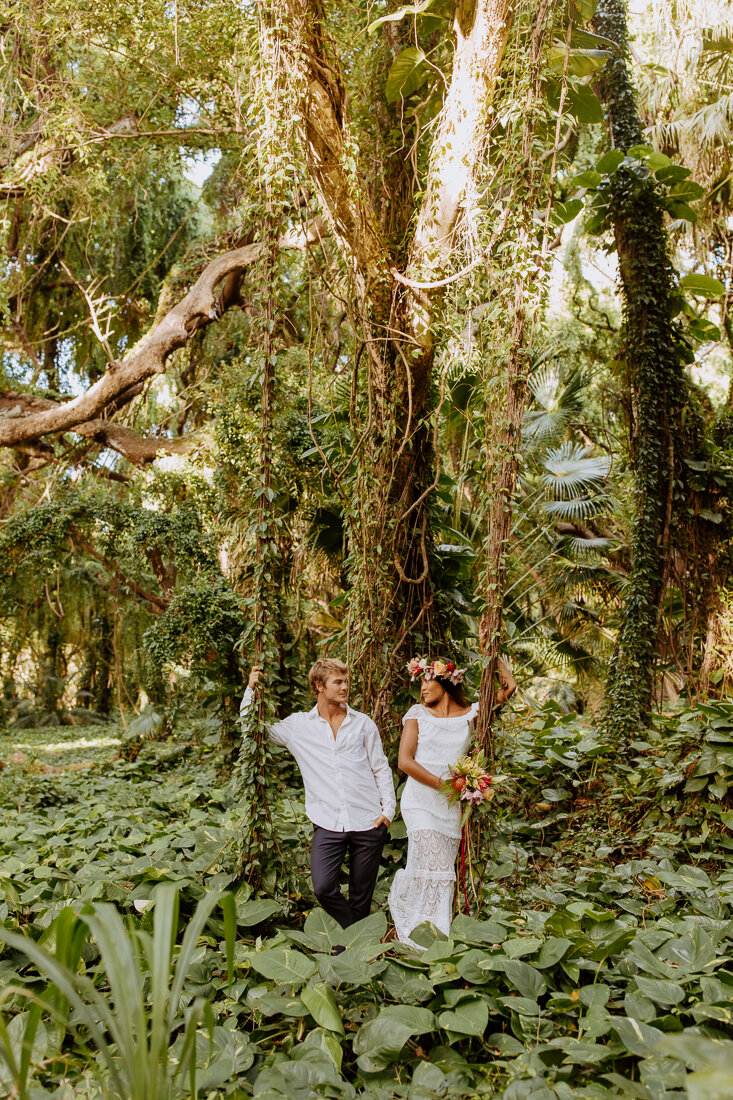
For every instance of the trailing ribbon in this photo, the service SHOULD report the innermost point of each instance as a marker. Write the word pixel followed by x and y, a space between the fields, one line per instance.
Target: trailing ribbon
pixel 464 844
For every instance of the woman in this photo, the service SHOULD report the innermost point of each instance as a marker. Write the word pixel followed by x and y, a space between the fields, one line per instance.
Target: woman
pixel 436 732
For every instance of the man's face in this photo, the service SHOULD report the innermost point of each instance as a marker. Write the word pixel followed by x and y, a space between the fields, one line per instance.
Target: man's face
pixel 335 689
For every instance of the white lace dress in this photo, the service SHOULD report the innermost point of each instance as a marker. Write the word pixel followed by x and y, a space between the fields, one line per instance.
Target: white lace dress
pixel 423 891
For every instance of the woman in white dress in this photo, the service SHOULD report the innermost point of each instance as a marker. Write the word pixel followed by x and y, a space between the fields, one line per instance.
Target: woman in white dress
pixel 436 732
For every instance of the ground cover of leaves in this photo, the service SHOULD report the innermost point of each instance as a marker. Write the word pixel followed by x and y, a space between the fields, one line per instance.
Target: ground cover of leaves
pixel 601 964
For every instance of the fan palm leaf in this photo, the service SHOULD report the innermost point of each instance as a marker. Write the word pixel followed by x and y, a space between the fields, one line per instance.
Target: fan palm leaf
pixel 571 471
pixel 556 401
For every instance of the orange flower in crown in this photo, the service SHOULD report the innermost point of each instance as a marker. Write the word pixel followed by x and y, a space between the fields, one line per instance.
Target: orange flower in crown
pixel 437 669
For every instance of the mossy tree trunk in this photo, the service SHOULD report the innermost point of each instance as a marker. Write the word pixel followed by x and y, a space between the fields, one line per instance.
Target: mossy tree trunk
pixel 657 383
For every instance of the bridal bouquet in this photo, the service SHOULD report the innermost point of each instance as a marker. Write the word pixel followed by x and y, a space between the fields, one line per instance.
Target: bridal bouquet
pixel 469 782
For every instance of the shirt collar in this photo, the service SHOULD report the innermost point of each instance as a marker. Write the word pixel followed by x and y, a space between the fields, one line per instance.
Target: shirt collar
pixel 314 714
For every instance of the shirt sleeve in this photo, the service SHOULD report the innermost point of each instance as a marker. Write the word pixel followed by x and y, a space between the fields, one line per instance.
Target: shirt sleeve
pixel 380 769
pixel 413 712
pixel 278 732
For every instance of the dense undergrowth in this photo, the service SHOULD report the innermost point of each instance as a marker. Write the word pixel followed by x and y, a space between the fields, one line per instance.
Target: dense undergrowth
pixel 599 964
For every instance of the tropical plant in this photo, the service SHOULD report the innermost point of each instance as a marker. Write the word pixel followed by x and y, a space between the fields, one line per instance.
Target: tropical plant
pixel 132 1024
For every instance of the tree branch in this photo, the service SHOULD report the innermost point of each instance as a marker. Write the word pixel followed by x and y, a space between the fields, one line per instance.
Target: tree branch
pixel 157 604
pixel 200 307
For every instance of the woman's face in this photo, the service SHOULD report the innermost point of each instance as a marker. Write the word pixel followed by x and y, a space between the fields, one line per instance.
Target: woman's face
pixel 431 693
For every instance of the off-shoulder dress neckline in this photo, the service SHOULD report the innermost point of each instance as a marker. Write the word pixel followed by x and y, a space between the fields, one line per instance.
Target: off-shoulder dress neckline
pixel 445 717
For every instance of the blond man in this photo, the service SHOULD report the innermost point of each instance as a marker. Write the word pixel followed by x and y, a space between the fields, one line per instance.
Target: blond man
pixel 349 790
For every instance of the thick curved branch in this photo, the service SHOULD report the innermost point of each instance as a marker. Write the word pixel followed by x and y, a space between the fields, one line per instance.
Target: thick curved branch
pixel 204 303
pixel 135 448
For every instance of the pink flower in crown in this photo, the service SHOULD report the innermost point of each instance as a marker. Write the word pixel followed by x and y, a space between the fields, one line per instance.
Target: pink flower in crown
pixel 457 675
pixel 440 668
pixel 416 666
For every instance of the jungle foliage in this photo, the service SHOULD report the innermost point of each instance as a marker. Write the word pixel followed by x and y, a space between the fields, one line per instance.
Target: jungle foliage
pixel 588 969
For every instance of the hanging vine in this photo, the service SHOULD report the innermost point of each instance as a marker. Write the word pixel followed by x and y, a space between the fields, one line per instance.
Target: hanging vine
pixel 517 282
pixel 260 638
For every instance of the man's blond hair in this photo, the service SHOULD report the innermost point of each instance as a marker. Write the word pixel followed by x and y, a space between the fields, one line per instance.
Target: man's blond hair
pixel 323 668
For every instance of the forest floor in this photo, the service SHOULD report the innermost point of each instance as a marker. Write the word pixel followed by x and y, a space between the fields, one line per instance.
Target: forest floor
pixel 600 963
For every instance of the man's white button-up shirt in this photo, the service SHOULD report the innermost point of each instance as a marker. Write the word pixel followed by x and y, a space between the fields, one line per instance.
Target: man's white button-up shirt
pixel 348 782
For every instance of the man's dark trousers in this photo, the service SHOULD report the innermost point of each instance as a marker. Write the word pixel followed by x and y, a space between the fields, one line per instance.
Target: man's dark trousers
pixel 328 852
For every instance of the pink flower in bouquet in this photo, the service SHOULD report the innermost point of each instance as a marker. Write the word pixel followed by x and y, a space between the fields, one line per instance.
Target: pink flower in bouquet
pixel 474 798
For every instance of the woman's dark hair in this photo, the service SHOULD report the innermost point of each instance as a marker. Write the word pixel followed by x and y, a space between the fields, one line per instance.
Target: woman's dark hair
pixel 455 691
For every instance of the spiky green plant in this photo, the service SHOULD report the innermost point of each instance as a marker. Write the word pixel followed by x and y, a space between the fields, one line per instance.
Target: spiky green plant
pixel 133 1009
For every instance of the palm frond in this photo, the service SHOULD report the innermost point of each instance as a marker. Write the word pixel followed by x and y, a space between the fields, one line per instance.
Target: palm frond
pixel 576 545
pixel 557 400
pixel 571 470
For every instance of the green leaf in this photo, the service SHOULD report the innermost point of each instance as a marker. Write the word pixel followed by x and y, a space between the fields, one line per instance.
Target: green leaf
pixel 469 930
pixel 271 1004
pixel 552 951
pixel 320 1001
pixel 643 151
pixel 585 105
pixel 704 285
pixel 581 62
pixel 320 932
pixel 283 965
pixel 379 1041
pixel 525 978
pixel 660 991
pixel 589 178
pixel 318 1045
pixel 367 932
pixel 473 965
pixel 658 162
pixel 637 1037
pixel 516 946
pixel 564 212
pixel 233 1053
pixel 255 911
pixel 687 191
pixel 673 173
pixel 406 985
pixel 610 161
pixel 469 1017
pixel 407 73
pixel 586 9
pixel 703 330
pixel 681 210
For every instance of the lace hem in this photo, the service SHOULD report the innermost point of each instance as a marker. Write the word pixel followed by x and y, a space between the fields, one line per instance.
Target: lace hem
pixel 424 890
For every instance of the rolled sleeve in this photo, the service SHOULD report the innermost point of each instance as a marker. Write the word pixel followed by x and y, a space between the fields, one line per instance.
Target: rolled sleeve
pixel 380 769
pixel 278 732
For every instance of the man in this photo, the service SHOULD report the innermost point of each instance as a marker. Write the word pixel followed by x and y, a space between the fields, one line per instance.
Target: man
pixel 349 791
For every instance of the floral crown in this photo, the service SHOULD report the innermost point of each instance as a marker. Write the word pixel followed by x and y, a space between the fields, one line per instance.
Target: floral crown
pixel 436 669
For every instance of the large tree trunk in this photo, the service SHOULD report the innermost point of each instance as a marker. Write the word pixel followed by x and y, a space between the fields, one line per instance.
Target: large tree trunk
pixel 657 383
pixel 389 561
